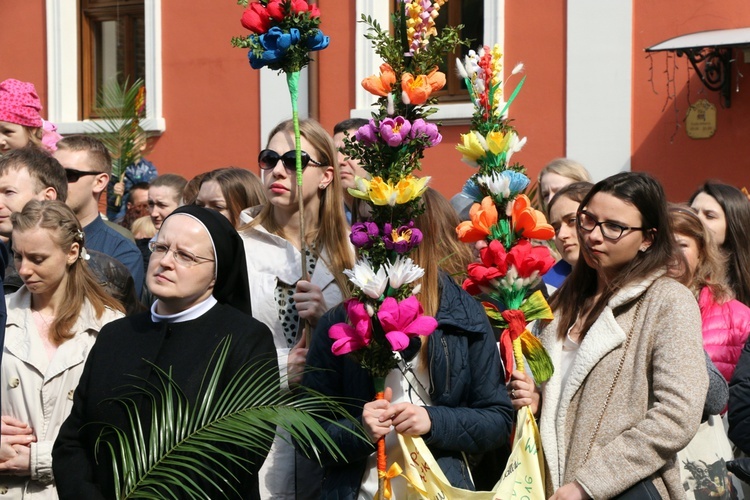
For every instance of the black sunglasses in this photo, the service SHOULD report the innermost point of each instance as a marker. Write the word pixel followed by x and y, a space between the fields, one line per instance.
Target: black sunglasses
pixel 268 159
pixel 72 175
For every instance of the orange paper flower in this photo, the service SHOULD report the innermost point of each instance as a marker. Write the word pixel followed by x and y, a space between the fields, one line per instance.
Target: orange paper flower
pixel 416 90
pixel 528 222
pixel 483 217
pixel 380 85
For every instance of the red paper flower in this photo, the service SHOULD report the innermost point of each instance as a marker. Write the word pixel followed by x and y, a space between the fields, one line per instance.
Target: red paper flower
pixel 528 259
pixel 256 18
pixel 493 266
pixel 276 9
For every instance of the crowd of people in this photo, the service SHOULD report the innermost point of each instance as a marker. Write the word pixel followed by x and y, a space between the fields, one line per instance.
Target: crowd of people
pixel 649 342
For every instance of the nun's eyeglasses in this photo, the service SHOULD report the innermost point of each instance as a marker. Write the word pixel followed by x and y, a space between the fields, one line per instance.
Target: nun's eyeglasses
pixel 182 257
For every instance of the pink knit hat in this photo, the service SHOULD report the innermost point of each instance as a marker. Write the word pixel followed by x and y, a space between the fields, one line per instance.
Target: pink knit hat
pixel 19 103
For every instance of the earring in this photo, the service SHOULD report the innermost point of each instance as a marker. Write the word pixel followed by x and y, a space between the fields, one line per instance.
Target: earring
pixel 643 249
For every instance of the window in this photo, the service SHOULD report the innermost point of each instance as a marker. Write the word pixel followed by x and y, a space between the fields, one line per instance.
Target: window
pixel 112 47
pixel 483 20
pixel 111 27
pixel 470 13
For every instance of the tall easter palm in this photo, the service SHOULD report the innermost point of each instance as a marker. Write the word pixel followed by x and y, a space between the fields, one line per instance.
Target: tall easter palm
pixel 120 108
pixel 187 442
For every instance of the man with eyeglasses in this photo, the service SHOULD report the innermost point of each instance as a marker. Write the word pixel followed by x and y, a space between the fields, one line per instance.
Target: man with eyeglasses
pixel 88 167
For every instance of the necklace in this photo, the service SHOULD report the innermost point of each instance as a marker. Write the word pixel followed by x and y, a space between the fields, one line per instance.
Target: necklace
pixel 44 320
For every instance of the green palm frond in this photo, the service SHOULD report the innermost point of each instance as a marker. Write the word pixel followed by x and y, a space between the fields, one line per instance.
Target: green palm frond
pixel 202 442
pixel 120 108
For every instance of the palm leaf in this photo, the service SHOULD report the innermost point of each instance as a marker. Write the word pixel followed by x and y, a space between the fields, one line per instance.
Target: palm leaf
pixel 185 445
pixel 120 108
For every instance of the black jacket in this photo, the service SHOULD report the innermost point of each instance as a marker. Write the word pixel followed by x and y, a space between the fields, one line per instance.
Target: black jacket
pixel 119 359
pixel 470 409
pixel 739 402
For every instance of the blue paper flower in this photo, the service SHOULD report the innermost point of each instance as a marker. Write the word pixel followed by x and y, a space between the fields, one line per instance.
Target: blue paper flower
pixel 318 41
pixel 517 181
pixel 275 44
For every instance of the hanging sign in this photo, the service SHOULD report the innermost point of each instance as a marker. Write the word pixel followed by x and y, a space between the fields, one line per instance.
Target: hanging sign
pixel 700 122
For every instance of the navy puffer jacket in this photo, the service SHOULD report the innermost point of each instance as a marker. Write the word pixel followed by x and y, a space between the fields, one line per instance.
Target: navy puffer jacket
pixel 470 411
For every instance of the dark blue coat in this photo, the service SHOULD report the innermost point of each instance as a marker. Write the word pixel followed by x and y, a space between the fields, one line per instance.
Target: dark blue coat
pixel 470 411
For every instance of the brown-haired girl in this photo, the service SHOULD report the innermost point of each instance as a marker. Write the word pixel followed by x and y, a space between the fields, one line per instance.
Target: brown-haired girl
pixel 53 321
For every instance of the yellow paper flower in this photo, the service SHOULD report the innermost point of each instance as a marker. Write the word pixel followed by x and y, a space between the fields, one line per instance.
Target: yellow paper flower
pixel 409 188
pixel 497 142
pixel 380 192
pixel 362 191
pixel 471 149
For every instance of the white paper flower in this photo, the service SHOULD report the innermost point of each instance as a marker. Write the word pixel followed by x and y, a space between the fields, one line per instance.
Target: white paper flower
pixel 514 146
pixel 403 271
pixel 497 184
pixel 366 279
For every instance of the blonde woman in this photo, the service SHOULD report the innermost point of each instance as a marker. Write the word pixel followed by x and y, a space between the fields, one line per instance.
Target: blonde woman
pixel 556 175
pixel 53 321
pixel 279 297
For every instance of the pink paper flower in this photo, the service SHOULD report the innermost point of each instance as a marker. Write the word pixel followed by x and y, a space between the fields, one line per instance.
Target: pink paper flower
pixel 351 337
pixel 403 320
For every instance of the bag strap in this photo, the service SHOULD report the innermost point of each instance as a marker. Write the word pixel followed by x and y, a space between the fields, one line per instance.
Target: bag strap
pixel 616 377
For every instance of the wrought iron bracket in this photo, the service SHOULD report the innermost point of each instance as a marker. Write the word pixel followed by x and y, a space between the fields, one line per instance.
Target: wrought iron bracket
pixel 716 73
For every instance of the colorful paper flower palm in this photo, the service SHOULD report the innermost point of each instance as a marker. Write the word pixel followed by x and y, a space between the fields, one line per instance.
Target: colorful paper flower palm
pixel 510 266
pixel 385 313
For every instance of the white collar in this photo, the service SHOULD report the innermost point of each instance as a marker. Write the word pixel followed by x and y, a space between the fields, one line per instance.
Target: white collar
pixel 189 314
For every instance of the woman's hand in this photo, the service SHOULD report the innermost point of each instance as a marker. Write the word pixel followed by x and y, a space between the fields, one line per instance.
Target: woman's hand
pixel 308 299
pixel 119 189
pixel 408 419
pixel 18 464
pixel 372 416
pixel 523 391
pixel 15 431
pixel 295 362
pixel 570 491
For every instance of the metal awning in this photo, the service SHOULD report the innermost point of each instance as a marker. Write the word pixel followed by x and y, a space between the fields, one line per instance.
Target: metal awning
pixel 713 49
pixel 736 37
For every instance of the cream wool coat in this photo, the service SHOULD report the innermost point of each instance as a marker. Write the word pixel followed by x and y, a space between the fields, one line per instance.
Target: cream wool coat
pixel 270 259
pixel 39 391
pixel 655 408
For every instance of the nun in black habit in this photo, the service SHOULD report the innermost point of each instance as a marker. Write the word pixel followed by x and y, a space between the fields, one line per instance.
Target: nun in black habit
pixel 197 273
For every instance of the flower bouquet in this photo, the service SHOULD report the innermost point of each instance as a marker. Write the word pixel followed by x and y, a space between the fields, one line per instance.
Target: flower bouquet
pixel 284 32
pixel 510 265
pixel 385 313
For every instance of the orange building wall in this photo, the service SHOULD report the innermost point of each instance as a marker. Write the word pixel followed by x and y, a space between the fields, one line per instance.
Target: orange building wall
pixel 23 44
pixel 210 97
pixel 535 34
pixel 660 144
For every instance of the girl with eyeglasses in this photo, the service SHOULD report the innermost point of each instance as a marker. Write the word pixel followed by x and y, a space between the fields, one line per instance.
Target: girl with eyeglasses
pixel 630 376
pixel 280 297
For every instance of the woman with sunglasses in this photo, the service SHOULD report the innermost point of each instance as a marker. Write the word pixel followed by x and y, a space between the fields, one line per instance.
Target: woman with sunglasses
pixel 280 297
pixel 630 375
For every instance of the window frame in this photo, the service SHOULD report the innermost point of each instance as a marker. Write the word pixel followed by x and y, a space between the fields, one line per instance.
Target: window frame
pixel 368 62
pixel 101 11
pixel 64 63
